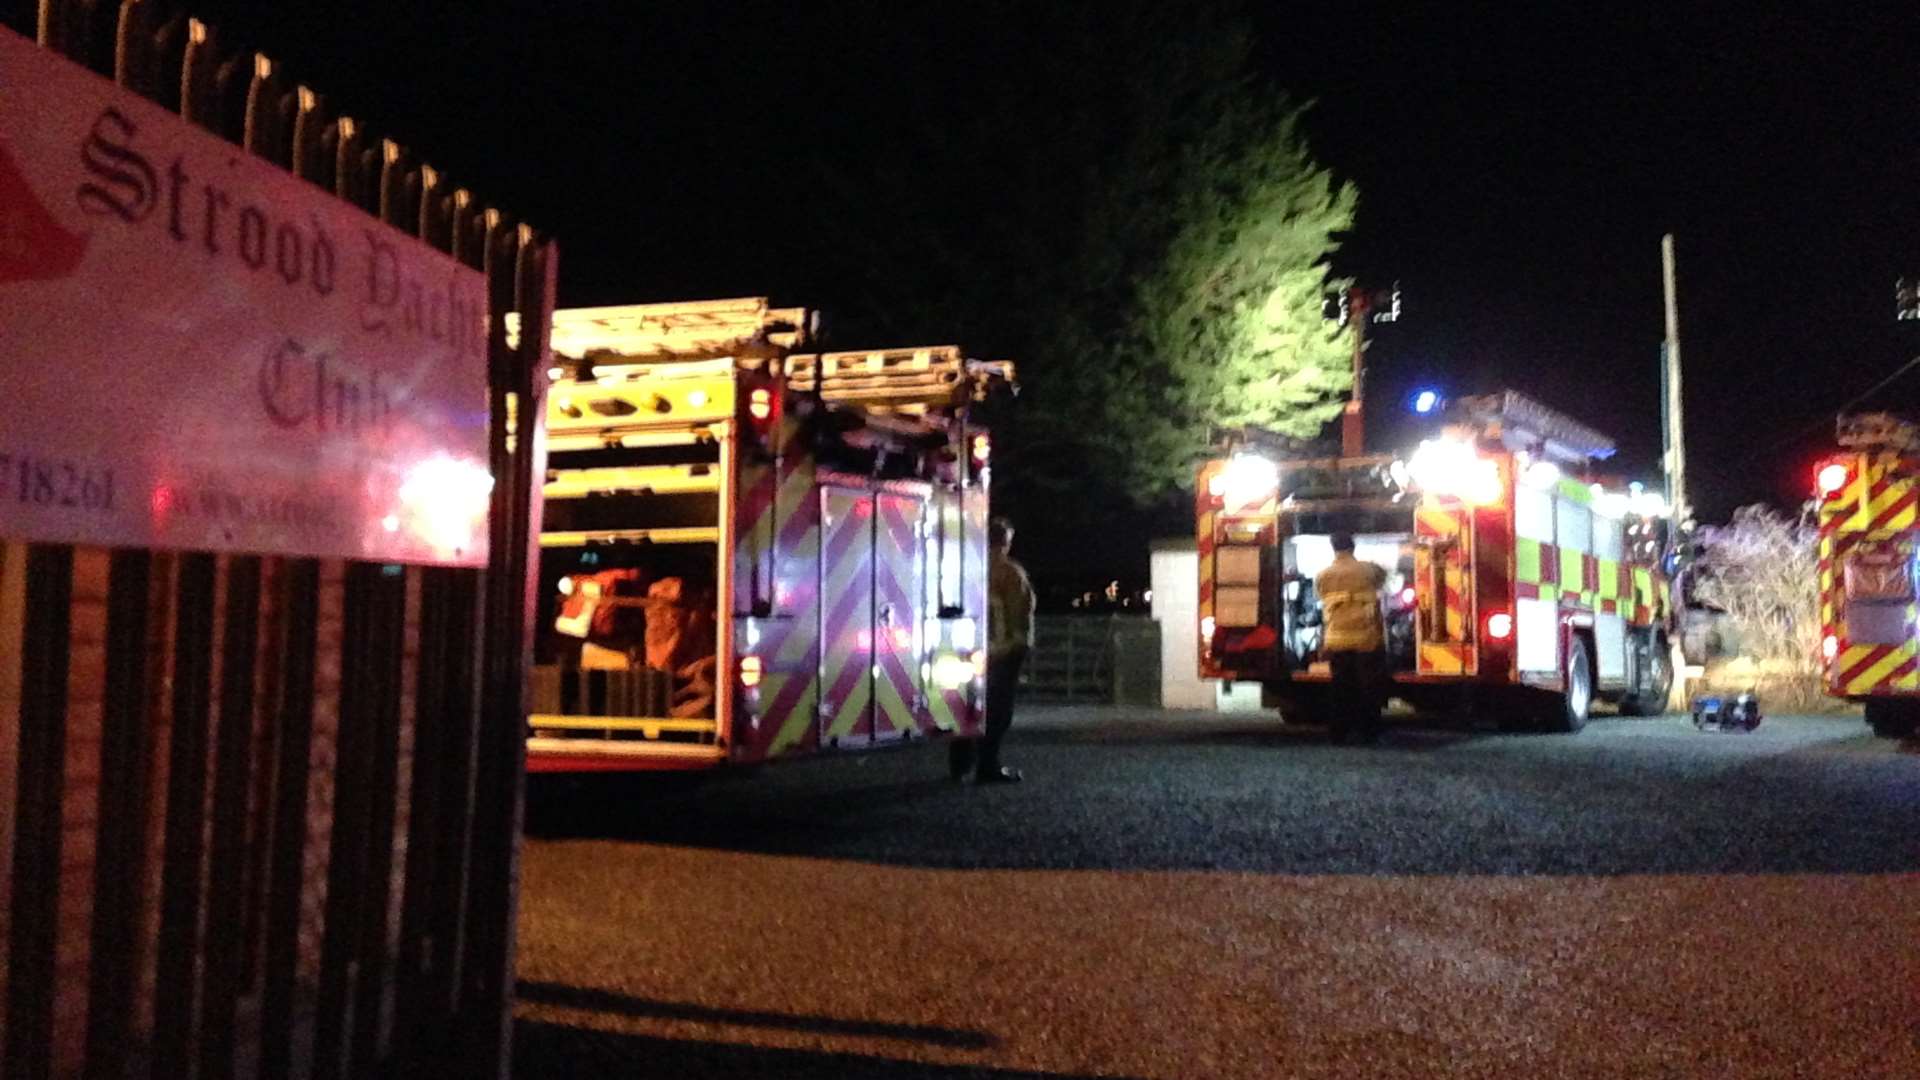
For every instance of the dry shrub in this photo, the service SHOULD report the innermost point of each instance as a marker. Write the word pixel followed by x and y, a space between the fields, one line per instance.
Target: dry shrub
pixel 1759 568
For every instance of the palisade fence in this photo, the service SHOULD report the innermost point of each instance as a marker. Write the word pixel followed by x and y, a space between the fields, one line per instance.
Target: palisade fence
pixel 260 813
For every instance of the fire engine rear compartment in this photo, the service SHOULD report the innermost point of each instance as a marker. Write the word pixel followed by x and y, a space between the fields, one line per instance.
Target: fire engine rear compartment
pixel 631 561
pixel 1304 554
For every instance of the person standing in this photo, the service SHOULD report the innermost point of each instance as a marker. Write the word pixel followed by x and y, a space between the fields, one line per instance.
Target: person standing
pixel 1355 640
pixel 1009 637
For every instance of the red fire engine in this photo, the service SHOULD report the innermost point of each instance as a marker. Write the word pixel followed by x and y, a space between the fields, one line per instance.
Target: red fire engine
pixel 750 552
pixel 1514 579
pixel 1869 540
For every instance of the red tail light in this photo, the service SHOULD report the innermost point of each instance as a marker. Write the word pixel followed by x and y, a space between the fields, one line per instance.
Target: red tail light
pixel 1499 626
pixel 1831 478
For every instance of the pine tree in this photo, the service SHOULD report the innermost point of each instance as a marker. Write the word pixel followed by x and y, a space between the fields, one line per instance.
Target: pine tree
pixel 1228 327
pixel 1150 246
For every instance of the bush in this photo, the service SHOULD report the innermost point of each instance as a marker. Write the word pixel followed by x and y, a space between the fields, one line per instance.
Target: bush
pixel 1760 569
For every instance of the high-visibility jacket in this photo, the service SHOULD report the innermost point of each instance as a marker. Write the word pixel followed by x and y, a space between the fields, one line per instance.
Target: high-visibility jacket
pixel 1350 604
pixel 1009 607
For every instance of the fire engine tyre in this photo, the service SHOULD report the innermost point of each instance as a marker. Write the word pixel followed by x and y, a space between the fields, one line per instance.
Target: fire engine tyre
pixel 1651 698
pixel 1892 719
pixel 1571 708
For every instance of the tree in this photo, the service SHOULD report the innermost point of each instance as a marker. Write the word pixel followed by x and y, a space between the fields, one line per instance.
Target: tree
pixel 1149 244
pixel 1232 316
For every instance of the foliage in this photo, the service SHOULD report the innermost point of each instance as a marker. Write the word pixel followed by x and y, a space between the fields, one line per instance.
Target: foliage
pixel 1125 211
pixel 1759 568
pixel 1232 316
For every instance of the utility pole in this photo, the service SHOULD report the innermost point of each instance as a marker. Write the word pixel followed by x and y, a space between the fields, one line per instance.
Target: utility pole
pixel 1676 443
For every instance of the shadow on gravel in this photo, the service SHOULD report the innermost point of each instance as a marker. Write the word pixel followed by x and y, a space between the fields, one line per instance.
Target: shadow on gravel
pixel 1625 797
pixel 557 1050
pixel 608 1001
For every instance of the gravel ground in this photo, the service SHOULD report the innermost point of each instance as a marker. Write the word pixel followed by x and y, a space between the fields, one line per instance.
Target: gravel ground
pixel 1172 895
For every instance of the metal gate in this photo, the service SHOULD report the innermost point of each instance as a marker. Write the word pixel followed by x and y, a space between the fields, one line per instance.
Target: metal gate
pixel 260 814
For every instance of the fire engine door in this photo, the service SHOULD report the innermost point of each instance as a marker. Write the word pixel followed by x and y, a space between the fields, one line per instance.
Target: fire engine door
pixel 870 581
pixel 846 617
pixel 1443 587
pixel 898 702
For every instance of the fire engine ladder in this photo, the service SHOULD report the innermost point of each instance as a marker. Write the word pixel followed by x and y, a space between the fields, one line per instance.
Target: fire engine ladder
pixel 1521 423
pixel 637 333
pixel 913 381
pixel 1876 431
pixel 651 376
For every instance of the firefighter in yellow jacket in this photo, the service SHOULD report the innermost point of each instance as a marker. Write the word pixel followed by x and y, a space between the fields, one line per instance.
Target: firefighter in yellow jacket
pixel 1009 637
pixel 1354 639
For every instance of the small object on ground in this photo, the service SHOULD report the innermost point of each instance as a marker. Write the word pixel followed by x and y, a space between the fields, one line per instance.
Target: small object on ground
pixel 1719 712
pixel 1002 775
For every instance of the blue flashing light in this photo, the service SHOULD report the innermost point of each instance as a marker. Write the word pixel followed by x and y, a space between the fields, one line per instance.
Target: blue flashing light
pixel 1426 401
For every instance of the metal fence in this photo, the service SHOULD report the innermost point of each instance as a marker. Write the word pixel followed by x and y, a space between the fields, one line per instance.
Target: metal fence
pixel 1094 658
pixel 261 814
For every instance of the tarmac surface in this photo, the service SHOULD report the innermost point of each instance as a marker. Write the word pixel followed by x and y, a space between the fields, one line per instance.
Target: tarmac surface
pixel 1188 895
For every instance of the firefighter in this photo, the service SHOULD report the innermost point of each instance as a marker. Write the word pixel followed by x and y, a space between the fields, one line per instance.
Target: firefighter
pixel 1355 640
pixel 1009 637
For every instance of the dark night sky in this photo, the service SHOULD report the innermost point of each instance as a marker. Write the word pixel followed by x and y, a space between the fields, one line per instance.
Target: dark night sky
pixel 1516 172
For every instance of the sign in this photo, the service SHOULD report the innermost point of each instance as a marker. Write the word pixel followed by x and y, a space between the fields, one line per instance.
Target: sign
pixel 199 350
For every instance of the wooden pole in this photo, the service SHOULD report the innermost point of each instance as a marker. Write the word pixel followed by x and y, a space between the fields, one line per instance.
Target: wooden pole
pixel 1676 456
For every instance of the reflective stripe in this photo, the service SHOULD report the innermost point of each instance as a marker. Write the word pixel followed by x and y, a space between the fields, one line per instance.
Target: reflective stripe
pixel 1526 561
pixel 1575 492
pixel 1608 587
pixel 1573 573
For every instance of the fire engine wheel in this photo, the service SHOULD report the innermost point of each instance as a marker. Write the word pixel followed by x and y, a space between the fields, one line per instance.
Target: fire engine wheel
pixel 1892 719
pixel 1573 706
pixel 1650 699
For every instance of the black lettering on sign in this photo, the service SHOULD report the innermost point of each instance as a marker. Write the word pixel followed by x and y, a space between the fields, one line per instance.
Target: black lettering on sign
pixel 278 395
pixel 253 237
pixel 299 389
pixel 124 185
pixel 383 284
pixel 176 182
pixel 29 480
pixel 286 253
pixel 323 260
pixel 216 201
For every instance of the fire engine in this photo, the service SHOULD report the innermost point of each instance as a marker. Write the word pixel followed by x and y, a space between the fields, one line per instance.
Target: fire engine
pixel 751 552
pixel 1868 542
pixel 1515 579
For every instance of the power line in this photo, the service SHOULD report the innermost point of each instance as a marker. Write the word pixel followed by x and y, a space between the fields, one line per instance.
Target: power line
pixel 1855 400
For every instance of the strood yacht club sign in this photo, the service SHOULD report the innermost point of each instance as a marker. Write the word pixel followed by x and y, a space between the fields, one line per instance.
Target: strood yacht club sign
pixel 199 350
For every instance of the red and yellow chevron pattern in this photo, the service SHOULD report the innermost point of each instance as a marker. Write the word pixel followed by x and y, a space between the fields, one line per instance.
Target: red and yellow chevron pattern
pixel 955 514
pixel 1442 560
pixel 1877 507
pixel 837 582
pixel 776 570
pixel 1205 506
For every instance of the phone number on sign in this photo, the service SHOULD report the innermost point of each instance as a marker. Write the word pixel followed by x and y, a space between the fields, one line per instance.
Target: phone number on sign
pixel 30 480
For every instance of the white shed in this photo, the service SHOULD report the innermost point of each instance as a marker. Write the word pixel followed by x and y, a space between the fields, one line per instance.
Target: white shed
pixel 1176 608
